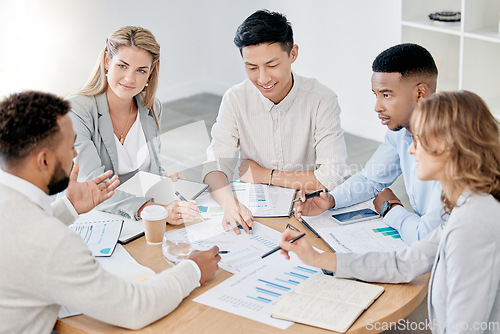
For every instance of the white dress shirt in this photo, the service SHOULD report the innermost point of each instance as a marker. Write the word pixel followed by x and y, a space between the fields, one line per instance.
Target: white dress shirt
pixel 35 194
pixel 133 155
pixel 300 133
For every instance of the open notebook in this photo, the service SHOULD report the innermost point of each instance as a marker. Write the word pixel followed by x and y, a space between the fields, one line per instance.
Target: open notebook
pixel 327 302
pixel 161 189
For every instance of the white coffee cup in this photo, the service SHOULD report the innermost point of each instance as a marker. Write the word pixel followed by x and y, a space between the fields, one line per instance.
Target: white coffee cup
pixel 154 218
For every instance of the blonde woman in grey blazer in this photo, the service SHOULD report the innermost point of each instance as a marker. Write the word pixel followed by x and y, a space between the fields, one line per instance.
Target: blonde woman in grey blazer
pixel 116 117
pixel 455 141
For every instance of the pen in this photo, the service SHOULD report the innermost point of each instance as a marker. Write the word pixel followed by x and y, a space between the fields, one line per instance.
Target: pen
pixel 182 198
pixel 241 227
pixel 313 194
pixel 309 227
pixel 278 248
pixel 223 252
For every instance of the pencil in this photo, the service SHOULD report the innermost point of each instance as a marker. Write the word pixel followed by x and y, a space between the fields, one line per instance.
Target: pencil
pixel 278 248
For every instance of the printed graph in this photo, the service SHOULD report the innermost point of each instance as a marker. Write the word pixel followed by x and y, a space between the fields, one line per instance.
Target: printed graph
pixel 388 231
pixel 371 236
pixel 269 290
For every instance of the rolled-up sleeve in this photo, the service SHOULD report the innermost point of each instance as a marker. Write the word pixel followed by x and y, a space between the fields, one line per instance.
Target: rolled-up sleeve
pixel 223 152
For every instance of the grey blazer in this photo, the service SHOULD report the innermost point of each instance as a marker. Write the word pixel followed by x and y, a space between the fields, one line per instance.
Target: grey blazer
pixel 464 254
pixel 96 146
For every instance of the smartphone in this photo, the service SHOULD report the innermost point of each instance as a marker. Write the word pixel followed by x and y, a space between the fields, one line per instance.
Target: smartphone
pixel 355 216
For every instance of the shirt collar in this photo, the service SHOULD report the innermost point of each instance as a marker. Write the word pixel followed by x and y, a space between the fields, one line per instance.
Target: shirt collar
pixel 28 189
pixel 287 101
pixel 407 135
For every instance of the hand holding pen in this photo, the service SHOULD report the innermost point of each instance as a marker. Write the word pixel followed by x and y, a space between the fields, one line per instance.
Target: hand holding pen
pixel 278 248
pixel 190 209
pixel 314 203
pixel 310 195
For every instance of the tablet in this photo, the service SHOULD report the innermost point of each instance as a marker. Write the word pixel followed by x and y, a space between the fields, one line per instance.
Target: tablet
pixel 355 216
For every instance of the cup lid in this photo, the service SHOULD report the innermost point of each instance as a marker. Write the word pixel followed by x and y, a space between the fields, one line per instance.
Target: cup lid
pixel 154 212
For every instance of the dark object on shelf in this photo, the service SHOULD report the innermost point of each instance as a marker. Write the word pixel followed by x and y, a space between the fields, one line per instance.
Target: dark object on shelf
pixel 446 16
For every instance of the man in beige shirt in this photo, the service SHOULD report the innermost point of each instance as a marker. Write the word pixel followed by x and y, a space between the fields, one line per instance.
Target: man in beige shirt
pixel 45 264
pixel 284 128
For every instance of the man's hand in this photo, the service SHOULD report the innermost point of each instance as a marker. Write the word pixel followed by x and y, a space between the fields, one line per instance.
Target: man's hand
pixel 207 261
pixel 252 172
pixel 236 214
pixel 84 196
pixel 383 196
pixel 313 206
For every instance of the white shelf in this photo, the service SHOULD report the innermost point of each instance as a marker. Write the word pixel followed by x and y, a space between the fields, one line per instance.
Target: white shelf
pixel 452 28
pixel 489 34
pixel 467 53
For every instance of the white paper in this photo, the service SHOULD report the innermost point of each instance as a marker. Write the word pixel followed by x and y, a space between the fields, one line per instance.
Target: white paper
pixel 362 237
pixel 253 293
pixel 209 208
pixel 254 196
pixel 245 249
pixel 123 265
pixel 100 236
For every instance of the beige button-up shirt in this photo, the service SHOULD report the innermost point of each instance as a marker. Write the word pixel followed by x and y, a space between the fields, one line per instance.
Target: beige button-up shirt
pixel 300 133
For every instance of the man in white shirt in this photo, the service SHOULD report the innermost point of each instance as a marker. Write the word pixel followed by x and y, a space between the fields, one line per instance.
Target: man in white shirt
pixel 285 128
pixel 43 263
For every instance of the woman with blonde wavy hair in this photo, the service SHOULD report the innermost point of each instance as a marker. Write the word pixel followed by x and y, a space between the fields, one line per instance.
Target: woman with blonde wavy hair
pixel 455 141
pixel 116 118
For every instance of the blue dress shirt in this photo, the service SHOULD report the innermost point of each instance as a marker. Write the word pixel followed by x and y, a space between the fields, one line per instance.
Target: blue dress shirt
pixel 387 163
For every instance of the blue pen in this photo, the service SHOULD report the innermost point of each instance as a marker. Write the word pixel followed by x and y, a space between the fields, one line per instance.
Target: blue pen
pixel 241 227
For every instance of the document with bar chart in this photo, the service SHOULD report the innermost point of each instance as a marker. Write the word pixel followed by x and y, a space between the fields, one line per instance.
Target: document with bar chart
pixel 253 293
pixel 371 236
pixel 244 250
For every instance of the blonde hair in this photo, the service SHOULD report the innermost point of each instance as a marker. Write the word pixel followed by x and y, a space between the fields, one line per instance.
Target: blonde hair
pixel 460 123
pixel 127 36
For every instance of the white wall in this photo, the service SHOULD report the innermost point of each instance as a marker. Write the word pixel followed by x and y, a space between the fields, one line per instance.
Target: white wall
pixel 52 45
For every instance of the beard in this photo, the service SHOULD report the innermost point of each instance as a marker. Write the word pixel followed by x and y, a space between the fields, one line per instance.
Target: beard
pixel 59 180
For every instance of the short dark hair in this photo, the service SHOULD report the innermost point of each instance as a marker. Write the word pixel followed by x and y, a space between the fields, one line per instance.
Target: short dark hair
pixel 407 59
pixel 28 121
pixel 264 26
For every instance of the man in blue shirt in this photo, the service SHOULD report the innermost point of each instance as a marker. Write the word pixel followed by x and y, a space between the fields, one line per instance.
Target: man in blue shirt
pixel 402 75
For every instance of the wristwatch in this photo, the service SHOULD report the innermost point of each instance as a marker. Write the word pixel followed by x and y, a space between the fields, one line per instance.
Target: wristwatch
pixel 387 205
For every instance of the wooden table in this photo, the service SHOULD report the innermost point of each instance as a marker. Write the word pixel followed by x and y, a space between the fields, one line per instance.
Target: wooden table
pixel 395 303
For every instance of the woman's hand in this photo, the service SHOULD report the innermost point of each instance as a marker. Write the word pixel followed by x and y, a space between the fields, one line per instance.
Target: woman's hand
pixel 180 212
pixel 174 176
